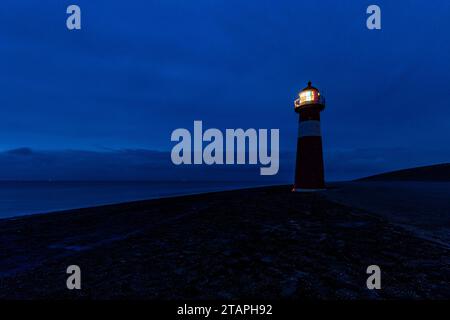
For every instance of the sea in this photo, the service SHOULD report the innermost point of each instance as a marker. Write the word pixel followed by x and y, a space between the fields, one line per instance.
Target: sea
pixel 26 197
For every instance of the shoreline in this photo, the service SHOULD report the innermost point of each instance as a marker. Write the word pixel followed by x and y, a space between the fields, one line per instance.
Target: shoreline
pixel 330 185
pixel 94 206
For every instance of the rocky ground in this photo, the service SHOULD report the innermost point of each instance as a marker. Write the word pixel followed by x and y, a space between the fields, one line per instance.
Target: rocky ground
pixel 255 243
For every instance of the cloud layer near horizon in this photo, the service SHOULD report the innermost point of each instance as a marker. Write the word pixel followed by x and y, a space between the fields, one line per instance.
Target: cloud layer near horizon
pixel 142 164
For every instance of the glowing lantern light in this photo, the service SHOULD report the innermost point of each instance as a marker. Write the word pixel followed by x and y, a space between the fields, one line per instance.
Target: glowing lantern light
pixel 309 96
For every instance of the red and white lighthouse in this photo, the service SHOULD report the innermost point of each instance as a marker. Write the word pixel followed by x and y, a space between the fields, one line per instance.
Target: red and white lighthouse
pixel 309 173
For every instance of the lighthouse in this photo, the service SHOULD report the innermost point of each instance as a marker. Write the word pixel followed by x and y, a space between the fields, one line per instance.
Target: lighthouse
pixel 309 173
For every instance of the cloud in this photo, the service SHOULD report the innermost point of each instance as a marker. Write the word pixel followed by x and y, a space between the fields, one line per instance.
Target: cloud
pixel 150 165
pixel 20 151
pixel 123 164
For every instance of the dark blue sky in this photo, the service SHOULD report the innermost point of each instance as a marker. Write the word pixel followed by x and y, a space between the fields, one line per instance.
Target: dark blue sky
pixel 139 69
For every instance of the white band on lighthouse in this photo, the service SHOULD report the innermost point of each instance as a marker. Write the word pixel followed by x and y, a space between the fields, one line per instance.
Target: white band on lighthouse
pixel 309 128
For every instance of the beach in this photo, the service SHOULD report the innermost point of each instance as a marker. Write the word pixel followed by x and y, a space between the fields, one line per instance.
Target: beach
pixel 259 243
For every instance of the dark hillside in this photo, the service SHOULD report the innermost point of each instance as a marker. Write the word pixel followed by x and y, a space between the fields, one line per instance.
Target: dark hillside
pixel 439 172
